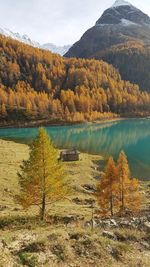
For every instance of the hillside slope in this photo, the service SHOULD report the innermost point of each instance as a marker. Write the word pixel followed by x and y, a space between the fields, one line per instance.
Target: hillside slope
pixel 120 25
pixel 38 85
pixel 61 50
pixel 65 238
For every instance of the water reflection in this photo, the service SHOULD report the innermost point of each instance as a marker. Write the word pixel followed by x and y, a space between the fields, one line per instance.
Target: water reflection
pixel 133 136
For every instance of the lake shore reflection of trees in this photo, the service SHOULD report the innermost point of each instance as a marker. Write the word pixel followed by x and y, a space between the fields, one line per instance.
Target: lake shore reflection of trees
pixel 133 136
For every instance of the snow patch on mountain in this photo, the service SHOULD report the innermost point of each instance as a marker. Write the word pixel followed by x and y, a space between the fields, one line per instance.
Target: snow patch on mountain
pixel 25 39
pixel 126 22
pixel 121 3
pixel 56 49
pixel 22 38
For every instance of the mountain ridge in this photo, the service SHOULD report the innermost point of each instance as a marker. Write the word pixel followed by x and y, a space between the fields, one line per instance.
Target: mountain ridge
pixel 27 40
pixel 121 3
pixel 122 24
pixel 118 12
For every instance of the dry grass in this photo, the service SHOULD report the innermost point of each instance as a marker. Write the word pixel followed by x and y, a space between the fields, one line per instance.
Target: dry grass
pixel 28 242
pixel 79 173
pixel 11 156
pixel 61 246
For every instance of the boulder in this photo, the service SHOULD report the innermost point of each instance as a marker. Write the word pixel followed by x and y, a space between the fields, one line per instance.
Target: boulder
pixel 20 242
pixel 79 201
pixel 113 223
pixel 145 245
pixel 146 226
pixel 120 236
pixel 113 252
pixel 109 235
pixel 90 188
pixel 125 223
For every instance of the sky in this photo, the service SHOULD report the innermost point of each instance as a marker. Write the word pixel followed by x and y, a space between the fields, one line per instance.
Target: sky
pixel 55 21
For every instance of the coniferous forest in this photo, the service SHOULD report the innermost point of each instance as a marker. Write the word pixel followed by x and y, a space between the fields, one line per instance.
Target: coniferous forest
pixel 38 85
pixel 74 135
pixel 134 52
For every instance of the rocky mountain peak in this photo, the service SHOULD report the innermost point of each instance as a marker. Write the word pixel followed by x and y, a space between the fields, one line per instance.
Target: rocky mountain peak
pixel 122 12
pixel 121 3
pixel 120 37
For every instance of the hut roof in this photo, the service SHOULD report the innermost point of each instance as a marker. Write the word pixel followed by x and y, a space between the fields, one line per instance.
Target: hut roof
pixel 70 152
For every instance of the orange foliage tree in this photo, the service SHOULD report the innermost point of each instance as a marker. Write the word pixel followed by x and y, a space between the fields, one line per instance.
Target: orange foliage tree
pixel 117 192
pixel 42 179
pixel 129 195
pixel 107 189
pixel 36 84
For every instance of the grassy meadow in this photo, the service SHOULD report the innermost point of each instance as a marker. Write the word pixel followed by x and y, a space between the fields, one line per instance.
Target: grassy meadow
pixel 63 239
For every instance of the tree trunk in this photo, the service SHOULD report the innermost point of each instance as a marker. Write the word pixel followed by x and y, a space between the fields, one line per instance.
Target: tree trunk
pixel 122 200
pixel 122 197
pixel 42 215
pixel 111 206
pixel 111 199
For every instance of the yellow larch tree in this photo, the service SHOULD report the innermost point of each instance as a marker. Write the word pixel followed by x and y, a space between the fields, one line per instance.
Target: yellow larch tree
pixel 3 110
pixel 107 189
pixel 130 197
pixel 42 178
pixel 117 192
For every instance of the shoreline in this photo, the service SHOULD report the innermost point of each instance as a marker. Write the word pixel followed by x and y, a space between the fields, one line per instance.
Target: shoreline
pixel 17 149
pixel 45 123
pixel 36 124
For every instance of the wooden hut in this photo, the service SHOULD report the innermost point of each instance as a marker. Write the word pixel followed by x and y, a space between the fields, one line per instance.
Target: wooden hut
pixel 69 155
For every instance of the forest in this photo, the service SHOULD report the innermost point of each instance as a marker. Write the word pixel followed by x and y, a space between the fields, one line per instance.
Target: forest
pixel 135 52
pixel 36 84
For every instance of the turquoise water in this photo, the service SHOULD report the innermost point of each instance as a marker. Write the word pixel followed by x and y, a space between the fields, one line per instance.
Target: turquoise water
pixel 133 136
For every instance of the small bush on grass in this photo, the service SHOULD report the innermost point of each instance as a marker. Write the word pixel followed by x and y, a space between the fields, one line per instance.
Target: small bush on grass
pixel 29 259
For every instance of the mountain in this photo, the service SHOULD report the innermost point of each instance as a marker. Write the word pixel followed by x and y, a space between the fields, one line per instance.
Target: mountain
pixel 61 50
pixel 120 36
pixel 21 38
pixel 36 84
pixel 125 14
pixel 26 39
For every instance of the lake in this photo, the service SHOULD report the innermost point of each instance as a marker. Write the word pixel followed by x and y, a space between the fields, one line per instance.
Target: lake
pixel 109 138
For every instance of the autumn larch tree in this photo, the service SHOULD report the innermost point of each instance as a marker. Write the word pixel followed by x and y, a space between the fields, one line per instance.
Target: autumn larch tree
pixel 42 179
pixel 130 197
pixel 3 111
pixel 107 189
pixel 117 192
pixel 36 84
